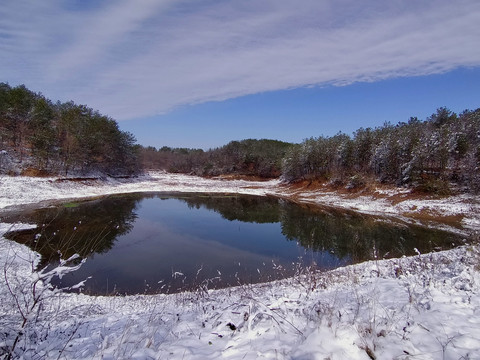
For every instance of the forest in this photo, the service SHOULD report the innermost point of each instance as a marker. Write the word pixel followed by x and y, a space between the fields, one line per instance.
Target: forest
pixel 40 137
pixel 258 158
pixel 433 155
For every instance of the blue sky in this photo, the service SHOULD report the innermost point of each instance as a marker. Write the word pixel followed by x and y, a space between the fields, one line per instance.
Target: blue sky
pixel 293 115
pixel 202 73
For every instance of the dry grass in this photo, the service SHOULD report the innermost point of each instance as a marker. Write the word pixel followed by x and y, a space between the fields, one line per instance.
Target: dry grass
pixel 240 177
pixel 34 172
pixel 432 215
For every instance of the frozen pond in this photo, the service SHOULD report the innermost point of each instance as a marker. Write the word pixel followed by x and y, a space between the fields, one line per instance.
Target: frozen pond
pixel 154 242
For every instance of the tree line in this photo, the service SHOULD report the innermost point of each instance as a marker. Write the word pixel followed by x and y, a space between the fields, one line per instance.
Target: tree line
pixel 66 138
pixel 260 158
pixel 37 134
pixel 430 155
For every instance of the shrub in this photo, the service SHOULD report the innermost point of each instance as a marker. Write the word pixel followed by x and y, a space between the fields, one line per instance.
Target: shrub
pixel 433 186
pixel 356 182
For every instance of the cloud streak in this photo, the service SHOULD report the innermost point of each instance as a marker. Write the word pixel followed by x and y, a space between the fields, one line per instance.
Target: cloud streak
pixel 133 59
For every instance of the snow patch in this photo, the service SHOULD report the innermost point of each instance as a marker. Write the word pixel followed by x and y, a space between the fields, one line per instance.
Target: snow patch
pixel 421 307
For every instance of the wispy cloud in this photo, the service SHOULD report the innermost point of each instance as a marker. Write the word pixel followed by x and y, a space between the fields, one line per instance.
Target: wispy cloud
pixel 139 58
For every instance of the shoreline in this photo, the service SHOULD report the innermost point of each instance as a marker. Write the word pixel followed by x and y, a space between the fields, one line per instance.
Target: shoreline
pixel 457 212
pixel 398 308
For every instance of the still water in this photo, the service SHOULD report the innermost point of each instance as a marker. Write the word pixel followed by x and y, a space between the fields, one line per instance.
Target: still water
pixel 153 243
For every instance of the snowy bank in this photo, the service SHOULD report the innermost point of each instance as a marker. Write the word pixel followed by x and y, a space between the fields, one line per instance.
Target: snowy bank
pixel 22 190
pixel 15 191
pixel 422 307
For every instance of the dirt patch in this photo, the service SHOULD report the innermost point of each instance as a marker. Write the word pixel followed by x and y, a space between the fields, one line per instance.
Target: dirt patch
pixel 314 191
pixel 31 172
pixel 393 194
pixel 241 177
pixel 77 179
pixel 315 186
pixel 429 215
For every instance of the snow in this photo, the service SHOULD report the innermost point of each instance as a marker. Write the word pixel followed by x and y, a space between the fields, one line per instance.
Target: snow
pixel 30 190
pixel 19 190
pixel 421 307
pixel 465 206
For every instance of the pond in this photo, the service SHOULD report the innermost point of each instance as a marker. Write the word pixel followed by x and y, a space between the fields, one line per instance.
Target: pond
pixel 164 243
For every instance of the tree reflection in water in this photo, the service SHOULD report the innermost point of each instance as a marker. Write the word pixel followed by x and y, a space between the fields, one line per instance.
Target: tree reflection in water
pixel 346 234
pixel 183 233
pixel 83 228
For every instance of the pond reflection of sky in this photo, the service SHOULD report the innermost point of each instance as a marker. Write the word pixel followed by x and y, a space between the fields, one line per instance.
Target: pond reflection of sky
pixel 169 238
pixel 177 243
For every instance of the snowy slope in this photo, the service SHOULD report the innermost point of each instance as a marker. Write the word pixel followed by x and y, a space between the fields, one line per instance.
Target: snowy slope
pixel 423 307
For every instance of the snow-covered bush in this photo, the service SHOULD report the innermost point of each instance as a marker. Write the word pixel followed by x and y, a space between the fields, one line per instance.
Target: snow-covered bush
pixel 29 300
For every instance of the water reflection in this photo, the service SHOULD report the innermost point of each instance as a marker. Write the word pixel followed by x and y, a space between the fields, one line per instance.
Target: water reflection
pixel 346 234
pixel 359 237
pixel 83 228
pixel 165 243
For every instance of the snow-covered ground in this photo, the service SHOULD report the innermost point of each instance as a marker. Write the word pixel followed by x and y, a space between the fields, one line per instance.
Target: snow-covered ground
pixel 27 190
pixel 16 191
pixel 422 307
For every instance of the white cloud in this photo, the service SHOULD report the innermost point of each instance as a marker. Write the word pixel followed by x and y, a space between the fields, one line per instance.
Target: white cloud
pixel 139 58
